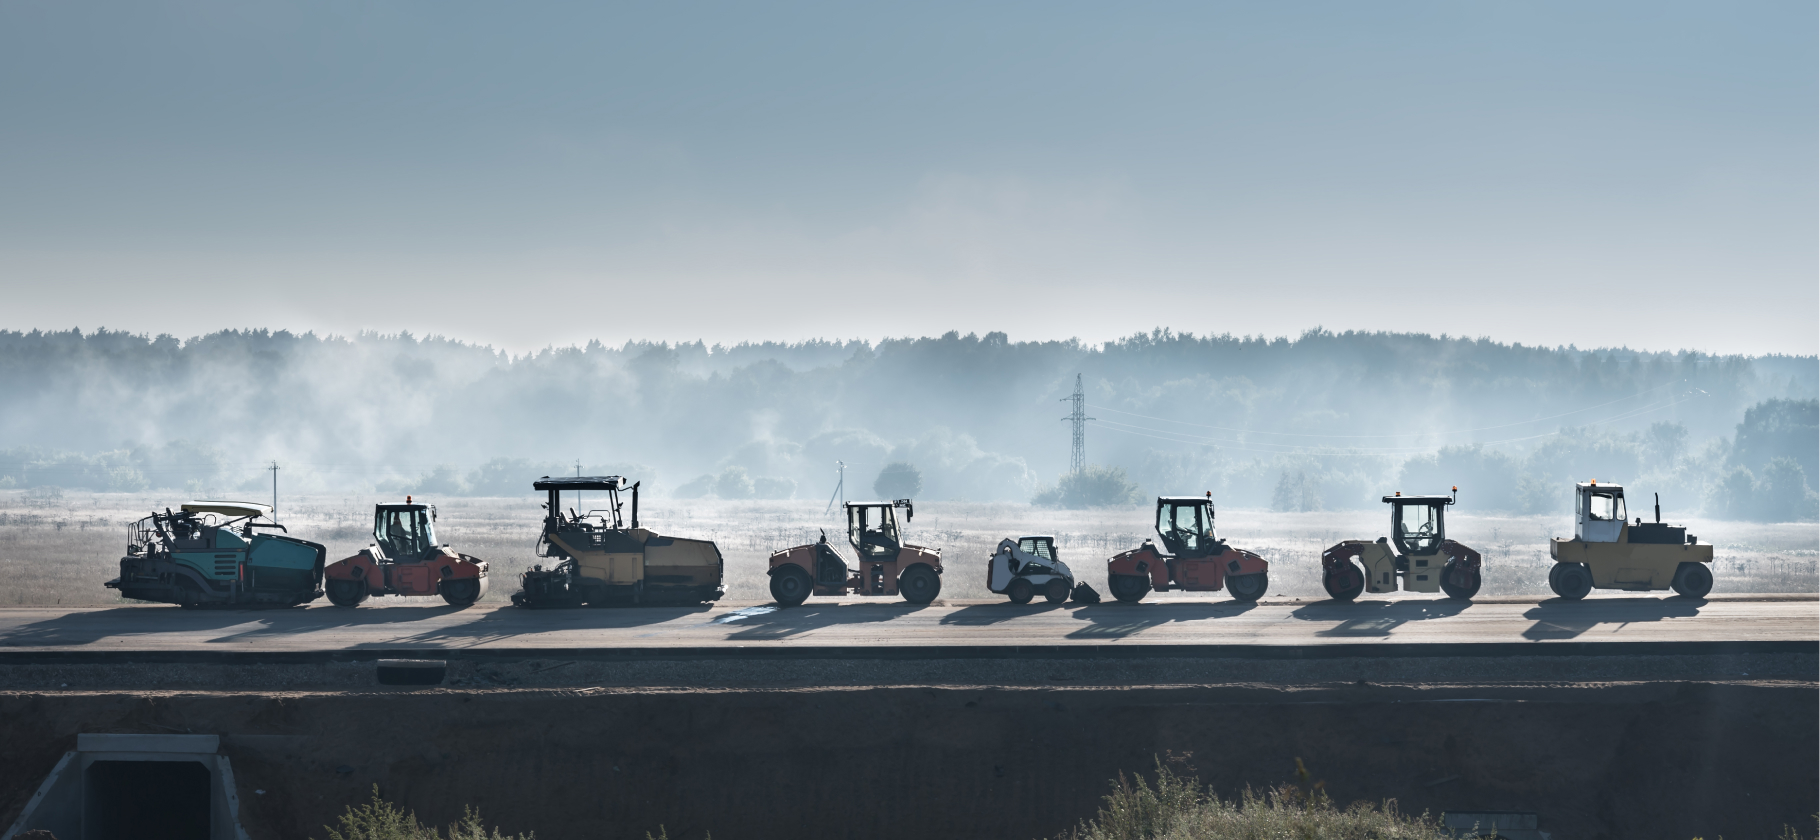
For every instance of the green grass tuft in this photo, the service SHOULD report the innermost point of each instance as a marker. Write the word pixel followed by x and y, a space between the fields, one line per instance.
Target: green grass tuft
pixel 381 820
pixel 1179 807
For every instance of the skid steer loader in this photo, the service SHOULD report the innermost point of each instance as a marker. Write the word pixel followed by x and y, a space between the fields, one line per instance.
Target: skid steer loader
pixel 207 554
pixel 405 559
pixel 1198 560
pixel 1608 553
pixel 886 565
pixel 1023 567
pixel 599 560
pixel 1418 555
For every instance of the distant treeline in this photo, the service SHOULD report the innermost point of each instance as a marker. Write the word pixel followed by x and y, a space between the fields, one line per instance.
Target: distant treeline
pixel 1325 420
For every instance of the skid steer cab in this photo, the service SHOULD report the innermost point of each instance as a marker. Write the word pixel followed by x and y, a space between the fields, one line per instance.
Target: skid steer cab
pixel 1607 552
pixel 1197 560
pixel 1023 567
pixel 599 557
pixel 405 559
pixel 884 563
pixel 1418 556
pixel 210 554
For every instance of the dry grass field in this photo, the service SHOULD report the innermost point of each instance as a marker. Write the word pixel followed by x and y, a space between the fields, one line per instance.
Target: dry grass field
pixel 59 548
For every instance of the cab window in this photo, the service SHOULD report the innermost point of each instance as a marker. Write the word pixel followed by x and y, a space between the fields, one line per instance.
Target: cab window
pixel 1604 507
pixel 1418 527
pixel 403 532
pixel 1182 527
pixel 874 528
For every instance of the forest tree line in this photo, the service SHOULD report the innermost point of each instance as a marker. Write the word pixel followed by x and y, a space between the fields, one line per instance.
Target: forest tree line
pixel 1322 420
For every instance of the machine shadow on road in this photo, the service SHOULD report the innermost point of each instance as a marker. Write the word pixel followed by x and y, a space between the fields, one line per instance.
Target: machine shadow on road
pixel 1560 618
pixel 88 626
pixel 475 624
pixel 981 615
pixel 794 621
pixel 1117 621
pixel 1375 618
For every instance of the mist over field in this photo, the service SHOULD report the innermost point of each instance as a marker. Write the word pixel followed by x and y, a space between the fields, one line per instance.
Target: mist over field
pixel 1320 421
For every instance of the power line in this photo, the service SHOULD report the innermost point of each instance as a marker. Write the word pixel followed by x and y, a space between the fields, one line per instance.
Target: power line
pixel 1290 449
pixel 1400 434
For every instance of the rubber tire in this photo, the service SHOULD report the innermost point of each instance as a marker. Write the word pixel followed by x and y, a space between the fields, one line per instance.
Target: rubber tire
pixel 790 586
pixel 1693 580
pixel 1248 588
pixel 461 592
pixel 920 584
pixel 1459 593
pixel 1056 591
pixel 1572 581
pixel 1347 592
pixel 1020 591
pixel 1128 588
pixel 346 593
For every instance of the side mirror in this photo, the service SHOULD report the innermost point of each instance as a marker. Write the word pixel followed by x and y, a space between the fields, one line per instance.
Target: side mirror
pixel 432 513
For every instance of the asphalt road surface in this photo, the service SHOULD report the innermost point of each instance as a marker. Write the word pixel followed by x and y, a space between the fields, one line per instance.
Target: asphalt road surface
pixel 858 623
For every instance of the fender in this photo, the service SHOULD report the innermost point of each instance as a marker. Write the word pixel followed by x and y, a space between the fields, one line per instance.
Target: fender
pixel 1144 561
pixel 452 566
pixel 1458 553
pixel 361 566
pixel 481 568
pixel 1242 562
pixel 802 556
pixel 1345 552
pixel 911 554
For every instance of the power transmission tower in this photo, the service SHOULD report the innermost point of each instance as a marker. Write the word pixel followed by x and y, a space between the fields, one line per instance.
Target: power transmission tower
pixel 1079 418
pixel 274 469
pixel 840 487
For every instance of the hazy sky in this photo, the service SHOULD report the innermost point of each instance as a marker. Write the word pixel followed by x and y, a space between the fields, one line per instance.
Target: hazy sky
pixel 533 173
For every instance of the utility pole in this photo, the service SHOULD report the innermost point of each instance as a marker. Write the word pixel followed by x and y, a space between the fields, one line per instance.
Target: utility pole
pixel 1078 460
pixel 274 469
pixel 840 487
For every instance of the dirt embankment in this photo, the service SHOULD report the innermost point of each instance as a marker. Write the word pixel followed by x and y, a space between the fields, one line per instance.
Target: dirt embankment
pixel 1638 760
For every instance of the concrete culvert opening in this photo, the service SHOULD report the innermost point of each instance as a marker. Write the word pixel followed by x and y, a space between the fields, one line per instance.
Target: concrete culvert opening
pixel 142 786
pixel 146 800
